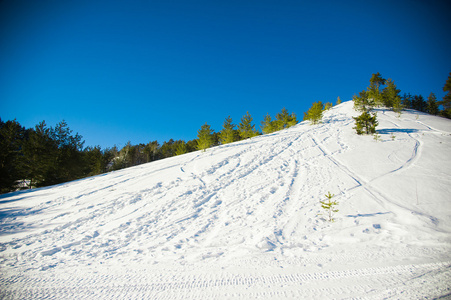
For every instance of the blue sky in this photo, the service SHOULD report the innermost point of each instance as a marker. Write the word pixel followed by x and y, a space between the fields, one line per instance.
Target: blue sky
pixel 144 70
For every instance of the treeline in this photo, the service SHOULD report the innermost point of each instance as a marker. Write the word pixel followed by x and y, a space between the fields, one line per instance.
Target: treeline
pixel 43 155
pixel 384 92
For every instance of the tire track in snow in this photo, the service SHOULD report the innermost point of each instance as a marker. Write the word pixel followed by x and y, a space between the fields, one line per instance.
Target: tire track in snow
pixel 371 283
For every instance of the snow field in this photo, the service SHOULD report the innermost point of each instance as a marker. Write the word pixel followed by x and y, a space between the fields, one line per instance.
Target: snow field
pixel 244 220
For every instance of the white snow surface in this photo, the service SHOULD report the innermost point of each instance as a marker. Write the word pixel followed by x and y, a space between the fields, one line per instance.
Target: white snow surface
pixel 243 220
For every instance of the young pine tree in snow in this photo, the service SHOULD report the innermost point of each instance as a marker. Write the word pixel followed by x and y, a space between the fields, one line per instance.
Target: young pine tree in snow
pixel 293 120
pixel 267 125
pixel 227 134
pixel 362 102
pixel 246 129
pixel 390 95
pixel 374 91
pixel 366 123
pixel 315 113
pixel 205 137
pixel 329 206
pixel 282 119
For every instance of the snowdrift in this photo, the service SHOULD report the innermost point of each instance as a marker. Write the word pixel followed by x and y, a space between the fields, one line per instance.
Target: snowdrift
pixel 244 220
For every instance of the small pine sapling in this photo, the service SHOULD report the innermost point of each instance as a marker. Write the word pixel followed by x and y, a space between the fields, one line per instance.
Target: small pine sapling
pixel 393 137
pixel 377 137
pixel 329 206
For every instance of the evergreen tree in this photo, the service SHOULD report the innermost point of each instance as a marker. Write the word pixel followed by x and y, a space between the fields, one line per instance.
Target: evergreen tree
pixel 328 106
pixel 151 151
pixel 432 106
pixel 406 100
pixel 315 113
pixel 40 156
pixel 125 157
pixel 205 137
pixel 293 120
pixel 69 164
pixel 228 133
pixel 246 129
pixel 267 125
pixel 366 123
pixel 282 119
pixel 397 105
pixel 418 103
pixel 374 91
pixel 446 102
pixel 329 206
pixel 390 95
pixel 362 102
pixel 338 100
pixel 191 145
pixel 167 149
pixel 12 136
pixel 95 160
pixel 181 148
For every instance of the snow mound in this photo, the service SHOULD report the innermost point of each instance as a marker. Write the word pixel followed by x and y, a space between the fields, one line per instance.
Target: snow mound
pixel 244 220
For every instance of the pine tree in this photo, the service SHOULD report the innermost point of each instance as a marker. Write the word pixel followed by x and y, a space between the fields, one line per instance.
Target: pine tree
pixel 418 103
pixel 362 102
pixel 40 153
pixel 12 136
pixel 390 94
pixel 181 148
pixel 397 105
pixel 151 151
pixel 374 91
pixel 328 106
pixel 246 129
pixel 167 149
pixel 282 119
pixel 338 100
pixel 329 206
pixel 366 123
pixel 293 120
pixel 446 102
pixel 227 134
pixel 205 137
pixel 69 154
pixel 432 106
pixel 315 113
pixel 406 100
pixel 267 125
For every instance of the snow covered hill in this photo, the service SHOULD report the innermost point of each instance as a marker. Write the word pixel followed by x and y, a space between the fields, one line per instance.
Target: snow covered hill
pixel 244 220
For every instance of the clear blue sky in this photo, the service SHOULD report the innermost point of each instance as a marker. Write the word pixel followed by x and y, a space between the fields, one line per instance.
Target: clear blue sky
pixel 154 70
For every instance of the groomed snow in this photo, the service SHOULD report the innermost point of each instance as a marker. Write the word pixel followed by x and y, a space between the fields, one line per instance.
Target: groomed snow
pixel 244 220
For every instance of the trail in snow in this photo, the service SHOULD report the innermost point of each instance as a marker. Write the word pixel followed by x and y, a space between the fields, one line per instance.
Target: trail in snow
pixel 244 220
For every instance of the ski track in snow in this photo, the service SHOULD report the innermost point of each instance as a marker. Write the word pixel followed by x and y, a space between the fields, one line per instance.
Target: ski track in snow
pixel 244 220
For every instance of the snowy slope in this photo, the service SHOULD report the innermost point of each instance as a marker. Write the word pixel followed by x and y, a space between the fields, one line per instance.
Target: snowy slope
pixel 244 220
